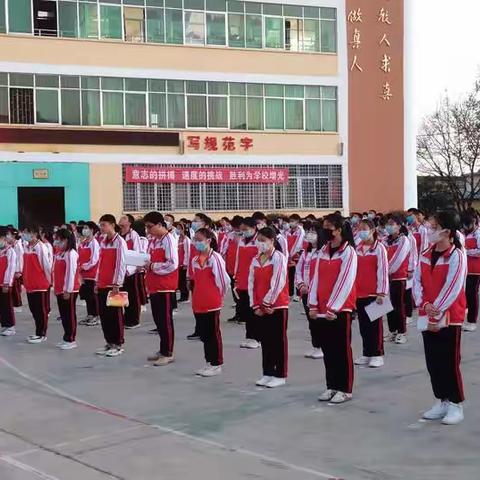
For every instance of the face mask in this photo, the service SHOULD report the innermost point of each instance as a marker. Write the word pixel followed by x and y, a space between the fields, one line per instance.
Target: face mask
pixel 311 237
pixel 28 237
pixel 57 243
pixel 248 233
pixel 86 232
pixel 434 236
pixel 201 246
pixel 411 220
pixel 328 234
pixel 168 224
pixel 196 226
pixel 263 247
pixel 355 220
pixel 391 229
pixel 371 216
pixel 364 235
pixel 293 224
pixel 178 231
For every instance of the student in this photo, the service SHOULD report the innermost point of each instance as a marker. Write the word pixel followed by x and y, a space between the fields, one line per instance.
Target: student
pixel 439 290
pixel 303 279
pixel 139 227
pixel 472 247
pixel 66 284
pixel 417 228
pixel 269 298
pixel 8 266
pixel 183 260
pixel 331 301
pixel 88 256
pixel 131 283
pixel 13 239
pixel 295 236
pixel 355 220
pixel 161 280
pixel 398 251
pixel 412 265
pixel 209 283
pixel 110 277
pixel 247 250
pixel 372 286
pixel 37 280
pixel 224 229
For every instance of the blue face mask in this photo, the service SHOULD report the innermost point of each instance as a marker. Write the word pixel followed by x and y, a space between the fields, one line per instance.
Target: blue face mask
pixel 201 246
pixel 248 233
pixel 411 219
pixel 391 229
pixel 195 226
pixel 364 235
pixel 371 216
pixel 354 220
pixel 27 237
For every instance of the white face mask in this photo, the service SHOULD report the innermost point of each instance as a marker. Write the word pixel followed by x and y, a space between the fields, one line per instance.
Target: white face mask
pixel 86 232
pixel 311 237
pixel 434 236
pixel 263 247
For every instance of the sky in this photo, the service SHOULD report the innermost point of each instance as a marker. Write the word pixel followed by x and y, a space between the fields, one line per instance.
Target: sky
pixel 446 50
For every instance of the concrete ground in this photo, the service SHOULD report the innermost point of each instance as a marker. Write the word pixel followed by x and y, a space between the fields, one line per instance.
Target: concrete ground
pixel 68 415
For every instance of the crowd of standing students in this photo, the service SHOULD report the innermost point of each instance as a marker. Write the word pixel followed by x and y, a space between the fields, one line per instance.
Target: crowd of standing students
pixel 336 266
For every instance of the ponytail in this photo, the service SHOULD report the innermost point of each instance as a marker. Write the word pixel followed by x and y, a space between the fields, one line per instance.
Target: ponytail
pixel 208 234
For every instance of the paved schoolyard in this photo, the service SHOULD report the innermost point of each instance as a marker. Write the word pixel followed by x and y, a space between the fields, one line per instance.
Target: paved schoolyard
pixel 68 415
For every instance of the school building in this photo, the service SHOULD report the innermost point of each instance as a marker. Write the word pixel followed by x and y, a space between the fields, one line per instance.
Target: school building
pixel 222 106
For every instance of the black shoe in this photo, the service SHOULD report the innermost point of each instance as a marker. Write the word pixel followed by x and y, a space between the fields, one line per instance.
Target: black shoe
pixel 233 319
pixel 153 331
pixel 240 322
pixel 193 336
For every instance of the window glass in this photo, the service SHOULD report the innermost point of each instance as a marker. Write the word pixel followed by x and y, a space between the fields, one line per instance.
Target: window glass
pixel 154 3
pixel 274 113
pixel 194 4
pixel 156 85
pixel 236 6
pixel 134 20
pixel 329 115
pixel 216 29
pixel 218 112
pixel 112 83
pixel 196 87
pixel 175 86
pixel 155 25
pixel 174 26
pixel 21 79
pixel 294 34
pixel 158 109
pixel 294 114
pixel 3 78
pixel 67 19
pixel 88 20
pixel 20 16
pixel 135 84
pixel 236 30
pixel 70 107
pixel 176 111
pixel 312 92
pixel 313 116
pixel 272 9
pixel 91 82
pixel 173 3
pixel 251 7
pixel 330 13
pixel 46 106
pixel 196 111
pixel 110 21
pixel 217 88
pixel 253 31
pixel 195 28
pixel 238 89
pixel 46 81
pixel 22 106
pixel 273 32
pixel 135 109
pixel 3 24
pixel 90 107
pixel 311 12
pixel 292 11
pixel 311 37
pixel 255 113
pixel 254 89
pixel 329 93
pixel 216 5
pixel 238 113
pixel 273 90
pixel 295 91
pixel 4 105
pixel 329 36
pixel 112 108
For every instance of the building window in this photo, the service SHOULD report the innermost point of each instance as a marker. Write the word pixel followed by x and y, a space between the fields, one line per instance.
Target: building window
pixel 173 26
pixel 195 27
pixel 67 19
pixel 46 106
pixel 134 21
pixel 88 20
pixel 45 18
pixel 22 108
pixel 155 25
pixel 110 21
pixel 20 16
pixel 3 20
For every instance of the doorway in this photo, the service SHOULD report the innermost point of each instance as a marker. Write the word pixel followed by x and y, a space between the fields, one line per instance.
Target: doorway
pixel 41 206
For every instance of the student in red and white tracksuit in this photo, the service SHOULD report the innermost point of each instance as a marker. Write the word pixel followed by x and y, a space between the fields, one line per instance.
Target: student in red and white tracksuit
pixel 331 300
pixel 88 257
pixel 37 280
pixel 8 264
pixel 131 285
pixel 17 244
pixel 439 291
pixel 210 283
pixel 66 284
pixel 247 250
pixel 398 251
pixel 161 280
pixel 372 286
pixel 269 299
pixel 412 265
pixel 295 239
pixel 184 244
pixel 303 279
pixel 472 248
pixel 110 277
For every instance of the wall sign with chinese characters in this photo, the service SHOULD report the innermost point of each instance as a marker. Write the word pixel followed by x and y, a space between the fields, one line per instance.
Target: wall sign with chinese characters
pixel 205 175
pixel 221 143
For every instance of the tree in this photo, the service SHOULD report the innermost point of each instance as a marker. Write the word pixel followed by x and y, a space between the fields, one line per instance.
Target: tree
pixel 448 147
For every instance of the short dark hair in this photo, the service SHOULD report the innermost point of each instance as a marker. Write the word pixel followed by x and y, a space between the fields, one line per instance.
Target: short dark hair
pixel 295 217
pixel 109 218
pixel 92 226
pixel 259 216
pixel 249 222
pixel 170 215
pixel 64 234
pixel 154 217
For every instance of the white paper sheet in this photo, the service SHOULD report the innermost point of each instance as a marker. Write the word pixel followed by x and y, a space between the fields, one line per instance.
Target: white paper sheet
pixel 409 283
pixel 376 311
pixel 422 322
pixel 136 259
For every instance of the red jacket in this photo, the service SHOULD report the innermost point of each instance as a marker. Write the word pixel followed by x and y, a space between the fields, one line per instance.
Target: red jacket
pixel 8 266
pixel 88 256
pixel 229 251
pixel 372 271
pixel 162 276
pixel 472 247
pixel 267 282
pixel 246 252
pixel 37 269
pixel 398 252
pixel 210 283
pixel 183 251
pixel 111 265
pixel 333 286
pixel 66 273
pixel 420 233
pixel 443 286
pixel 295 240
pixel 305 268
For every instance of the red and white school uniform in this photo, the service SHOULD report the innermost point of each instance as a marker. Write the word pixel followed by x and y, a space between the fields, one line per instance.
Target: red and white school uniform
pixel 229 252
pixel 398 252
pixel 295 242
pixel 472 248
pixel 268 290
pixel 37 279
pixel 67 281
pixel 8 266
pixel 88 257
pixel 420 233
pixel 210 285
pixel 282 241
pixel 17 283
pixel 372 282
pixel 162 280
pixel 184 246
pixel 440 282
pixel 111 273
pixel 131 285
pixel 333 292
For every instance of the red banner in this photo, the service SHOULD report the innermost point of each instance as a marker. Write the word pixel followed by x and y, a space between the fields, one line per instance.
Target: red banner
pixel 206 175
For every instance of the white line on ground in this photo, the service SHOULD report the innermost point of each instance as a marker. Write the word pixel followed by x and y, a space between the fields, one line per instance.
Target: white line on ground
pixel 26 468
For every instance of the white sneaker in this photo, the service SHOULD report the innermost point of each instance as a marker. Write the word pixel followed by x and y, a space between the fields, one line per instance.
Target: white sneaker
pixel 438 411
pixel 143 309
pixel 115 351
pixel 295 298
pixel 469 327
pixel 263 381
pixel 84 321
pixel 400 339
pixel 34 339
pixel 327 395
pixel 8 332
pixel 362 360
pixel 68 346
pixel 390 337
pixel 132 327
pixel 454 414
pixel 102 351
pixel 199 372
pixel 250 343
pixel 376 362
pixel 18 309
pixel 409 320
pixel 341 397
pixel 276 382
pixel 93 322
pixel 314 353
pixel 211 371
